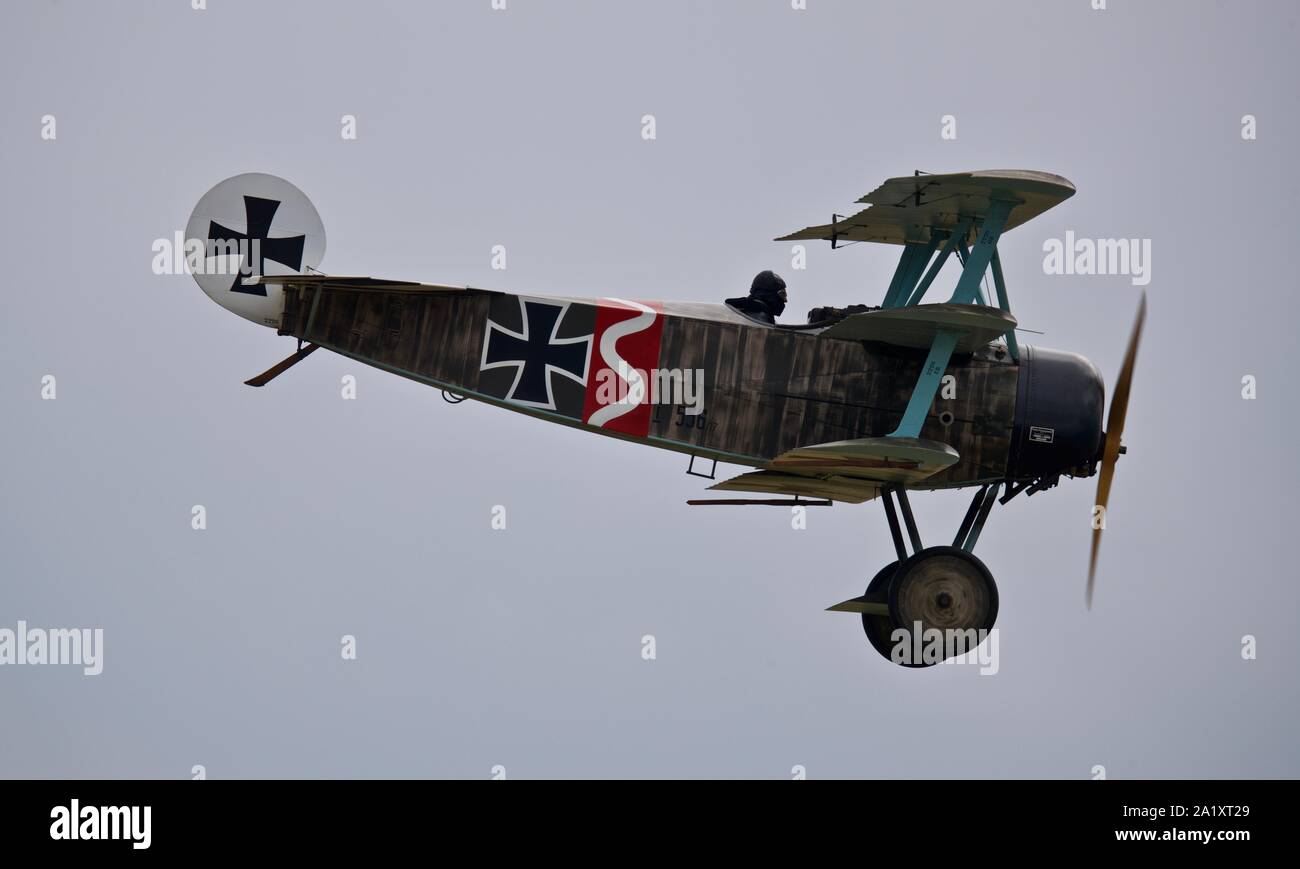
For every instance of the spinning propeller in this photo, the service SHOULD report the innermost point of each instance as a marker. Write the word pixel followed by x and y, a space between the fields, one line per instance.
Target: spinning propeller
pixel 1114 431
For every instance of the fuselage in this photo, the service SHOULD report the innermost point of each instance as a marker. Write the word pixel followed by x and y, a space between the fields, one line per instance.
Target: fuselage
pixel 705 380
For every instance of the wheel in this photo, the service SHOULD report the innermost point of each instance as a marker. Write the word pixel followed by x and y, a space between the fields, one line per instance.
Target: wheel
pixel 947 589
pixel 878 628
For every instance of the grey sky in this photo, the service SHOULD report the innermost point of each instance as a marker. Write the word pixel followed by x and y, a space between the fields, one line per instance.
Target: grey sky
pixel 522 647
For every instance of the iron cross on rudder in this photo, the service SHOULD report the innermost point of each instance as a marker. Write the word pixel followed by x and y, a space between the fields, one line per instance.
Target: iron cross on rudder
pixel 256 243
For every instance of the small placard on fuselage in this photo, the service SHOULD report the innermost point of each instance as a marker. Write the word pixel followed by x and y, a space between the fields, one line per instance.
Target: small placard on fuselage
pixel 1041 435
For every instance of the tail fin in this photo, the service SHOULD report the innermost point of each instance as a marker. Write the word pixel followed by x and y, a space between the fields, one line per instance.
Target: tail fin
pixel 252 224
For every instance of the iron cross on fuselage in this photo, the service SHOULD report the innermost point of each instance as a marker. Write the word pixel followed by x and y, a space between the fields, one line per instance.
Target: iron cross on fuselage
pixel 537 352
pixel 286 251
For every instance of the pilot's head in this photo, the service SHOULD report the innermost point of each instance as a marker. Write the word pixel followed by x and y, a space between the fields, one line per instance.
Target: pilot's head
pixel 769 288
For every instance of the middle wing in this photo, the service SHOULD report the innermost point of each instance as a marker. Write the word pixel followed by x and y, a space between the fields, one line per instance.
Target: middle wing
pixel 916 325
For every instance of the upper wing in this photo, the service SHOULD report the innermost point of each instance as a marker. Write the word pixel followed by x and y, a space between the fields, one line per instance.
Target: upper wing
pixel 908 208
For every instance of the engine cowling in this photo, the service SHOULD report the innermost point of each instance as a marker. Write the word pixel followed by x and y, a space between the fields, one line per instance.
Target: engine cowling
pixel 1060 402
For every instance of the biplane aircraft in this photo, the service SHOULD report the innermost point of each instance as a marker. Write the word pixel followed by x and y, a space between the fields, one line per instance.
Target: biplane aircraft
pixel 873 403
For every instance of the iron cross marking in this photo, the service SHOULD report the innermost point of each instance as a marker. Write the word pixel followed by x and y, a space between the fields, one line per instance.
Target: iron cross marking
pixel 286 251
pixel 537 353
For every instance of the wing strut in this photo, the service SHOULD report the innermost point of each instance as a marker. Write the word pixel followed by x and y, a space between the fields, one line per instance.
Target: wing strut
pixel 927 384
pixel 963 254
pixel 949 246
pixel 1004 303
pixel 978 261
pixel 911 265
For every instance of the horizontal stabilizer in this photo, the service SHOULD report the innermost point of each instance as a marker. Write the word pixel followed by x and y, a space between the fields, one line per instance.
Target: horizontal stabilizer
pixel 916 325
pixel 360 284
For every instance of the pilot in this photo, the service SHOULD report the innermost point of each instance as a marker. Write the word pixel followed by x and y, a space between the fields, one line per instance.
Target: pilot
pixel 766 299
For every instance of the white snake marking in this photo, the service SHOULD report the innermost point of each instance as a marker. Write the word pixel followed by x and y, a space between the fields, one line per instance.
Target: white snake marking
pixel 635 381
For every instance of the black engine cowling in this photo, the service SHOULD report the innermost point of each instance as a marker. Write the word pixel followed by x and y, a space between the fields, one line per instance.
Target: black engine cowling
pixel 1059 415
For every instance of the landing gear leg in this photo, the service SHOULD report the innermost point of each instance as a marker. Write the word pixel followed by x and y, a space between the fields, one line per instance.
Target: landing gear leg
pixel 976 516
pixel 943 588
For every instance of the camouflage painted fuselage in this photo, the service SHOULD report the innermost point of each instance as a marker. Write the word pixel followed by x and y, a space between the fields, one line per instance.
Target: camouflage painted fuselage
pixel 766 390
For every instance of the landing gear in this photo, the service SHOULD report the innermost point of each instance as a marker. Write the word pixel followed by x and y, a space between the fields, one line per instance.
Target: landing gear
pixel 940 588
pixel 879 626
pixel 946 588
